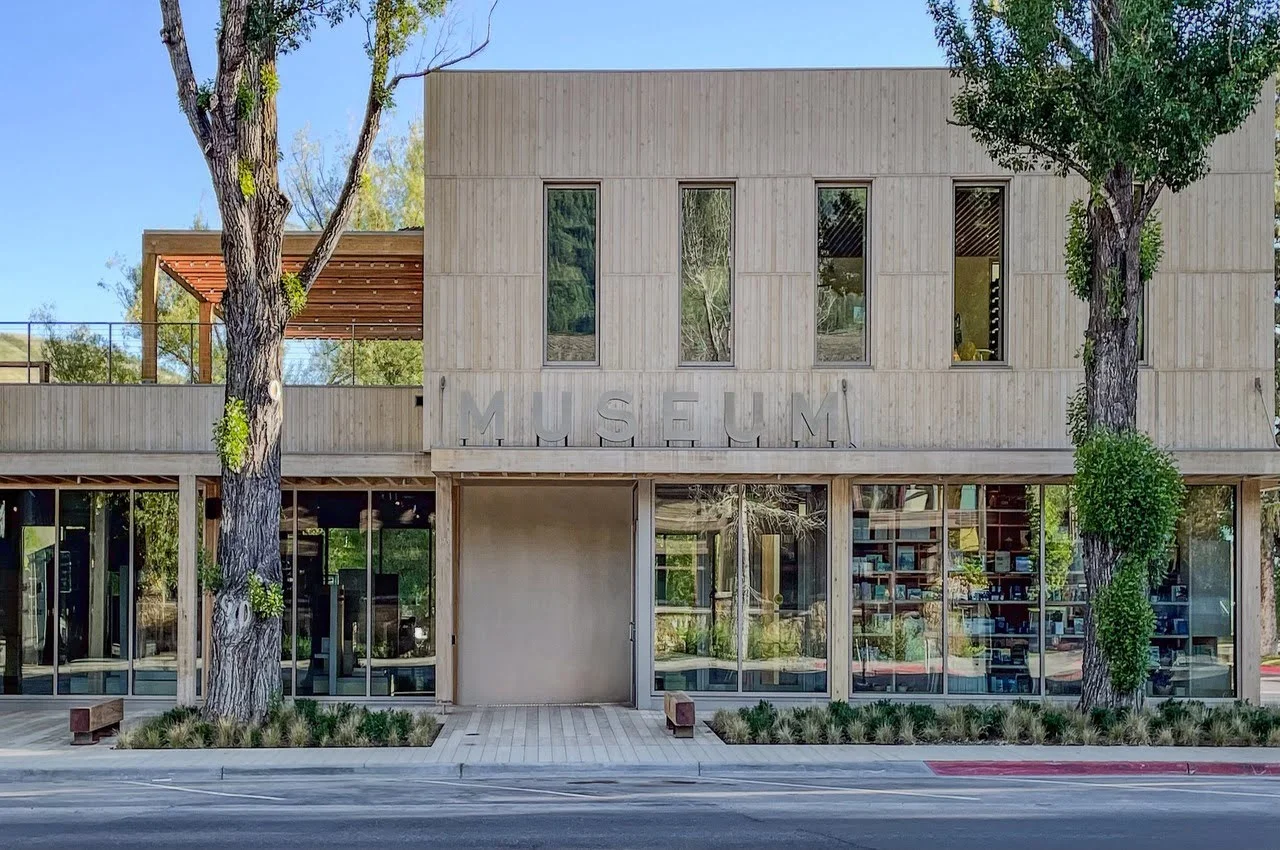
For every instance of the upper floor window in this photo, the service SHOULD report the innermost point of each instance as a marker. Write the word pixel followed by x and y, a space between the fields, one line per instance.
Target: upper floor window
pixel 571 274
pixel 841 319
pixel 978 300
pixel 706 274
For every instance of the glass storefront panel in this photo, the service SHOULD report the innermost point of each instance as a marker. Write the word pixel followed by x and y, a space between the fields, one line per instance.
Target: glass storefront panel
pixel 27 591
pixel 331 592
pixel 896 589
pixel 155 593
pixel 1192 653
pixel 404 594
pixel 1066 595
pixel 993 618
pixel 695 629
pixel 93 598
pixel 786 605
pixel 288 584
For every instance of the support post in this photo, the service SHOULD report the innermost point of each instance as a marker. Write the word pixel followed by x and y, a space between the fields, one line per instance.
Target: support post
pixel 204 344
pixel 187 581
pixel 839 549
pixel 150 270
pixel 1249 594
pixel 446 592
pixel 206 598
pixel 643 611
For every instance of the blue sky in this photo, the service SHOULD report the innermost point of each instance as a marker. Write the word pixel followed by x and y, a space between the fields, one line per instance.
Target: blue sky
pixel 95 150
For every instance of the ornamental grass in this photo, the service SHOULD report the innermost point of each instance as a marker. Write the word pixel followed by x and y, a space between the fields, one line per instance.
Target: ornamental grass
pixel 302 723
pixel 1174 723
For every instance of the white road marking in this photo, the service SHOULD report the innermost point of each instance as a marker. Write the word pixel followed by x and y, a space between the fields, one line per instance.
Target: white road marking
pixel 810 786
pixel 460 784
pixel 203 791
pixel 43 792
pixel 1138 786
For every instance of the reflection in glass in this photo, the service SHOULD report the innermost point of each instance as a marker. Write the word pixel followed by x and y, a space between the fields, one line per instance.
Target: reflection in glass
pixel 695 640
pixel 404 594
pixel 287 511
pixel 706 274
pixel 1066 594
pixel 993 643
pixel 27 585
pixel 786 604
pixel 331 596
pixel 897 589
pixel 842 280
pixel 93 602
pixel 155 542
pixel 978 331
pixel 1192 652
pixel 571 274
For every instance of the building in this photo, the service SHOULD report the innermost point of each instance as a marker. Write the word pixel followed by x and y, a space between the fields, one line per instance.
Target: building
pixel 747 383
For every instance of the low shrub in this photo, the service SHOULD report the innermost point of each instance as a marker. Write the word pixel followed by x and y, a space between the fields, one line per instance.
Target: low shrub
pixel 1171 723
pixel 303 723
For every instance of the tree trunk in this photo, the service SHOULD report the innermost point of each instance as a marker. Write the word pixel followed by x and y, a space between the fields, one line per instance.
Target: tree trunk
pixel 1111 389
pixel 245 667
pixel 1270 542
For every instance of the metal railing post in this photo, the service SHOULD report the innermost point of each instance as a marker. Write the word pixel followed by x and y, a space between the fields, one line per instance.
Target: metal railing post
pixel 110 352
pixel 353 354
pixel 28 370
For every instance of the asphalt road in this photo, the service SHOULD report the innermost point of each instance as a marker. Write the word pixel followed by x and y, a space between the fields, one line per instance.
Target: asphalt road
pixel 1168 813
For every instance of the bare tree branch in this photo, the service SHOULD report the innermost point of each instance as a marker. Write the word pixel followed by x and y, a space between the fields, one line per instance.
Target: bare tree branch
pixel 231 55
pixel 379 92
pixel 175 39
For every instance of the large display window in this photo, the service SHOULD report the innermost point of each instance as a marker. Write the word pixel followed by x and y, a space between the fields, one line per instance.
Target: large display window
pixel 740 588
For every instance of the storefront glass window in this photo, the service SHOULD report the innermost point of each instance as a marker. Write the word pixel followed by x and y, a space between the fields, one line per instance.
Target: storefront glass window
pixel 1192 653
pixel 331 593
pixel 896 589
pixel 1066 595
pixel 93 599
pixel 155 542
pixel 786 605
pixel 695 629
pixel 993 617
pixel 27 585
pixel 404 594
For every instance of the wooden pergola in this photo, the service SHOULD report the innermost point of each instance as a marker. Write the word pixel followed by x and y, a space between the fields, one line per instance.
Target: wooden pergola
pixel 371 289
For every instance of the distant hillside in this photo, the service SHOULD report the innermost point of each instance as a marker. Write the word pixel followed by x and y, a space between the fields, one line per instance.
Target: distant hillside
pixel 13 347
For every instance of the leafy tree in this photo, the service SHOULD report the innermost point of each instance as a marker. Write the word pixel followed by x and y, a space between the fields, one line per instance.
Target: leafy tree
pixel 706 216
pixel 390 197
pixel 571 274
pixel 1129 95
pixel 234 119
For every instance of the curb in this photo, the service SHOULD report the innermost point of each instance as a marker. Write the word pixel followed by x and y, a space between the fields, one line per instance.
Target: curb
pixel 1102 768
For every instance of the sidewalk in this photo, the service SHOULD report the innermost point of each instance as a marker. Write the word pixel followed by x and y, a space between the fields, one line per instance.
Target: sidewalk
pixel 560 741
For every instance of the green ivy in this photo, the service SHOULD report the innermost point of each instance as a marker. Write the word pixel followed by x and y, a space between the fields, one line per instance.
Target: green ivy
pixel 246 99
pixel 270 81
pixel 295 292
pixel 266 599
pixel 247 186
pixel 1077 415
pixel 1128 495
pixel 231 435
pixel 204 95
pixel 1150 248
pixel 1078 253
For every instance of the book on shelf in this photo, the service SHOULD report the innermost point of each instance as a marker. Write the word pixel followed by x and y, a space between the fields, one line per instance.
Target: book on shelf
pixel 906 558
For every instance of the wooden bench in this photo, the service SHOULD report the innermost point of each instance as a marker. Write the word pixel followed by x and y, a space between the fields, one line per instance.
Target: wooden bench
pixel 679 709
pixel 90 723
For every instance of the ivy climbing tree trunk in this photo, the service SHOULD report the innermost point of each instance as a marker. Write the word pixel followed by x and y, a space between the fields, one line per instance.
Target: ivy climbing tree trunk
pixel 1110 357
pixel 234 120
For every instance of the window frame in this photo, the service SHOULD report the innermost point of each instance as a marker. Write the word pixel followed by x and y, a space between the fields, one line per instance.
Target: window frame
pixel 547 187
pixel 818 186
pixel 1003 184
pixel 730 185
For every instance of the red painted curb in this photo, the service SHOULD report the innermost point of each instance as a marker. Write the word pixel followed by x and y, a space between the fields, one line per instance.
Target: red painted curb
pixel 1100 768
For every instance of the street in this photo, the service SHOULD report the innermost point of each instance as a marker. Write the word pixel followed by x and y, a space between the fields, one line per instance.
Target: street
pixel 745 811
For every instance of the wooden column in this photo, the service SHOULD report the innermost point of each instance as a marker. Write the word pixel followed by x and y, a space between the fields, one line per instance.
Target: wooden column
pixel 1249 593
pixel 150 270
pixel 643 611
pixel 839 549
pixel 446 592
pixel 204 344
pixel 187 589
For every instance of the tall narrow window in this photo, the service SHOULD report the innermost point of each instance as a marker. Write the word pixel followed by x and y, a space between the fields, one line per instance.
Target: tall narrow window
pixel 978 321
pixel 706 274
pixel 842 274
pixel 571 274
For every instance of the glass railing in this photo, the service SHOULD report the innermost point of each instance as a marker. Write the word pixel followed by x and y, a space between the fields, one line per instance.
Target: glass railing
pixel 191 353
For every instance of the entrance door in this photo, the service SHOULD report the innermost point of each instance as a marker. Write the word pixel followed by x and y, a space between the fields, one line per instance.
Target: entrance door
pixel 544 597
